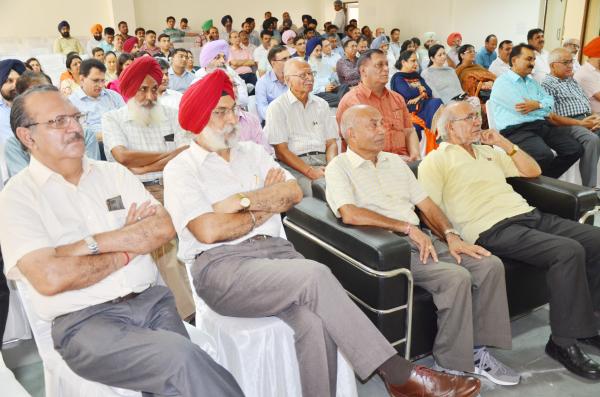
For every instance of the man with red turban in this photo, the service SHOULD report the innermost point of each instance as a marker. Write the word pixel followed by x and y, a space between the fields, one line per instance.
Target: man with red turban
pixel 588 76
pixel 131 45
pixel 454 40
pixel 143 136
pixel 225 198
pixel 96 40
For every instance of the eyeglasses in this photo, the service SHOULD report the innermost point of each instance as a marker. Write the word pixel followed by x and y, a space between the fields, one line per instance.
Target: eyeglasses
pixel 62 121
pixel 472 117
pixel 566 63
pixel 304 76
pixel 224 112
pixel 282 59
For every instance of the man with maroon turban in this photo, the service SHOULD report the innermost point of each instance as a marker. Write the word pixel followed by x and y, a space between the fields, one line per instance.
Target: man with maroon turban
pixel 225 198
pixel 143 136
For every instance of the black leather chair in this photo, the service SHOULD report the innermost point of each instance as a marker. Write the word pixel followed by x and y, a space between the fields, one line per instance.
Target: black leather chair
pixel 373 264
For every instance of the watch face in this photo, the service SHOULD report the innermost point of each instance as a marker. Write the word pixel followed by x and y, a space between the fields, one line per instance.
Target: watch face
pixel 245 202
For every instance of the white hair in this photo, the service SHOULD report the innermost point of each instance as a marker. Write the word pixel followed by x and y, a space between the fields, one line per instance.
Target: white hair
pixel 142 115
pixel 446 116
pixel 557 53
pixel 291 63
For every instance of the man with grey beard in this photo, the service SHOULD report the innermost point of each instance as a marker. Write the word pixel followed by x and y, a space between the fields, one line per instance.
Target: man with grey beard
pixel 144 136
pixel 225 198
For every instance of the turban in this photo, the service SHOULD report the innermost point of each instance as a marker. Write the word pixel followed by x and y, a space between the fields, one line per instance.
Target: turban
pixel 132 78
pixel 129 43
pixel 207 25
pixel 10 64
pixel 211 50
pixel 200 99
pixel 592 49
pixel 96 29
pixel 288 34
pixel 428 36
pixel 62 24
pixel 378 42
pixel 311 44
pixel 452 37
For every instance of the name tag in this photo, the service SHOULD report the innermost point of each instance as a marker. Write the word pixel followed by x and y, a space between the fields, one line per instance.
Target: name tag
pixel 115 204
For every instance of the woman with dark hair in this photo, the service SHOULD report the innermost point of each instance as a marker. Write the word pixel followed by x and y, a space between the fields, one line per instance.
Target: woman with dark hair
pixel 367 34
pixel 34 65
pixel 123 62
pixel 418 96
pixel 407 45
pixel 440 77
pixel 69 79
pixel 110 61
pixel 475 79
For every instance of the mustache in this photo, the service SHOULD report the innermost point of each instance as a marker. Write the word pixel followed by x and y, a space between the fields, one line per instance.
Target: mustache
pixel 76 137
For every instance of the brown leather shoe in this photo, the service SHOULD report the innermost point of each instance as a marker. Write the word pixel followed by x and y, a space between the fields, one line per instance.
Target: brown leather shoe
pixel 425 382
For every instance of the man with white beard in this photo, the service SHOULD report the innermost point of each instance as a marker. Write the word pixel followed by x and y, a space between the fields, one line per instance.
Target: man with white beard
pixel 143 136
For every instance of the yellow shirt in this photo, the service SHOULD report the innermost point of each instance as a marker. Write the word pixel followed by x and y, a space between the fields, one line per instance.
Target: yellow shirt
pixel 472 192
pixel 65 46
pixel 388 188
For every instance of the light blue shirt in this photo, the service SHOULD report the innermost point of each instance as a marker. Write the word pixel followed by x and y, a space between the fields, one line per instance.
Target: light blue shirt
pixel 18 159
pixel 485 58
pixel 324 74
pixel 5 130
pixel 180 83
pixel 332 60
pixel 267 89
pixel 510 89
pixel 106 47
pixel 96 107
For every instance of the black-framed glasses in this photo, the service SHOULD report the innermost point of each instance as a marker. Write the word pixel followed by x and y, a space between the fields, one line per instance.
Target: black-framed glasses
pixel 472 117
pixel 224 112
pixel 62 121
pixel 304 76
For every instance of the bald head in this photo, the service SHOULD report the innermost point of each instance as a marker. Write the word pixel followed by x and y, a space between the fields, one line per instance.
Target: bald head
pixel 362 128
pixel 293 65
pixel 457 117
pixel 298 77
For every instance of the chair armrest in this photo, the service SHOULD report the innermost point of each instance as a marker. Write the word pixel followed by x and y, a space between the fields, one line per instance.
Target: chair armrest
pixel 561 198
pixel 379 249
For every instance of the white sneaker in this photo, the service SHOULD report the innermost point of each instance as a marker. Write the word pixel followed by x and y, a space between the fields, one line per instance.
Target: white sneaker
pixel 488 366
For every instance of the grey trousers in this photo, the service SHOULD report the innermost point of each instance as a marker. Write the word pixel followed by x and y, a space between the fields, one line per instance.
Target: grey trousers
pixel 472 308
pixel 305 182
pixel 140 344
pixel 588 163
pixel 269 278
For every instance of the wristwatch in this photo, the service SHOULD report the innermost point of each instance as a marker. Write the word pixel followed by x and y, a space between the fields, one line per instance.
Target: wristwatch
pixel 514 150
pixel 92 245
pixel 244 201
pixel 451 231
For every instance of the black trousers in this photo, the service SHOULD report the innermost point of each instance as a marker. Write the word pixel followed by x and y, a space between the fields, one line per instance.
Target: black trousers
pixel 4 295
pixel 571 253
pixel 538 138
pixel 334 97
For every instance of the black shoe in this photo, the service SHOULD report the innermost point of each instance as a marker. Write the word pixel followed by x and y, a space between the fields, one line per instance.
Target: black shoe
pixel 574 359
pixel 594 341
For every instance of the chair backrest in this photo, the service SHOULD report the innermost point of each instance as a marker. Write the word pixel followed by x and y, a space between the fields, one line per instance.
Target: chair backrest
pixel 490 114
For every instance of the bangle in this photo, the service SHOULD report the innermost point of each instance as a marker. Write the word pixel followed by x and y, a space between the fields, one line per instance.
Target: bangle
pixel 127 257
pixel 408 227
pixel 253 219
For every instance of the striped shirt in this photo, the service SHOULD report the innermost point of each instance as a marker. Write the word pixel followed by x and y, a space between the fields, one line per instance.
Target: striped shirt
pixel 569 98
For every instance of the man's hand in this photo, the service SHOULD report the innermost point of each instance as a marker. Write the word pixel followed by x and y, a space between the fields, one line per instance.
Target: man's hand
pixel 274 175
pixel 229 205
pixel 457 246
pixel 527 107
pixel 424 243
pixel 329 87
pixel 137 213
pixel 493 137
pixel 315 172
pixel 414 101
pixel 592 122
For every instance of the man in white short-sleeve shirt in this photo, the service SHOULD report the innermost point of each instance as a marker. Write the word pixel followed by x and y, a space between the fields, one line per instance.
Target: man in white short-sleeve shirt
pixel 366 186
pixel 78 233
pixel 300 127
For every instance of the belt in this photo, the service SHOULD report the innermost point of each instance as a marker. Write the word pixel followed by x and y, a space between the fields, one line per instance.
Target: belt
pixel 258 237
pixel 157 181
pixel 310 154
pixel 124 298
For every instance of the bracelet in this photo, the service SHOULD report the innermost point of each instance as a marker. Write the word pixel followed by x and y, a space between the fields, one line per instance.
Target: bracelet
pixel 127 257
pixel 408 227
pixel 253 219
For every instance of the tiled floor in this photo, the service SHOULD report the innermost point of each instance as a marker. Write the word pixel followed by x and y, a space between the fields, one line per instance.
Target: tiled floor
pixel 541 376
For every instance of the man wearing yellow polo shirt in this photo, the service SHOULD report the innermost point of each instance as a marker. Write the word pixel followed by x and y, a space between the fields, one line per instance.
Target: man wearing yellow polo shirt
pixel 367 186
pixel 468 181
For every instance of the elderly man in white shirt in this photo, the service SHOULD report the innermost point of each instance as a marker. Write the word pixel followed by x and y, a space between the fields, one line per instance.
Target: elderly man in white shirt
pixel 78 233
pixel 501 65
pixel 226 198
pixel 144 136
pixel 300 127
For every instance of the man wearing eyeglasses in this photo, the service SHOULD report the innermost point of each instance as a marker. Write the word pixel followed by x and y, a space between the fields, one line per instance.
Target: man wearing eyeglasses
pixel 300 127
pixel 92 98
pixel 78 233
pixel 468 180
pixel 144 136
pixel 572 108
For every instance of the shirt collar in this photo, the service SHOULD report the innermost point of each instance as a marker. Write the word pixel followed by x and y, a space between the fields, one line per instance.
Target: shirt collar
pixel 80 94
pixel 292 98
pixel 41 173
pixel 515 77
pixel 171 72
pixel 368 92
pixel 356 160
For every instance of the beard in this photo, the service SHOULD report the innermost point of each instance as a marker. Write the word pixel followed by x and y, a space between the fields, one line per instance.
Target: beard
pixel 98 37
pixel 145 115
pixel 66 35
pixel 10 95
pixel 215 141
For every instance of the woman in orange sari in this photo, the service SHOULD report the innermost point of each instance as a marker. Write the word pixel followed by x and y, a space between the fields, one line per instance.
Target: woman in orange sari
pixel 474 79
pixel 69 79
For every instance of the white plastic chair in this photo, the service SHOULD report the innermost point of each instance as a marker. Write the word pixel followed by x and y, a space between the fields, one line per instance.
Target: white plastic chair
pixel 268 344
pixel 10 386
pixel 60 380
